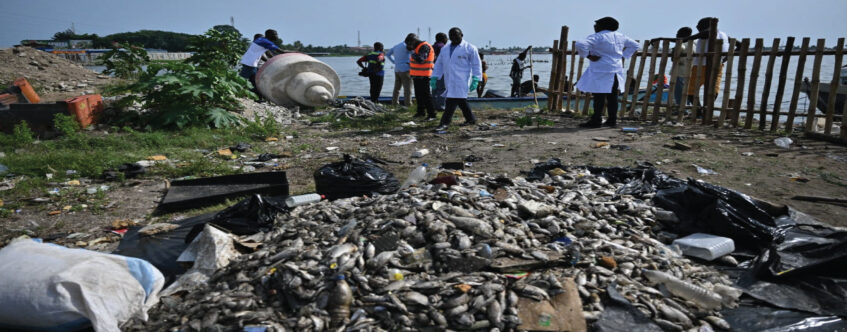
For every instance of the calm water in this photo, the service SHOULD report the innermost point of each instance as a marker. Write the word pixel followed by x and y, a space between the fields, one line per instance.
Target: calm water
pixel 499 66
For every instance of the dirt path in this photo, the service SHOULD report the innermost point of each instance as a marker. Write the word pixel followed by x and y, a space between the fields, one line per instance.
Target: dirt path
pixel 773 174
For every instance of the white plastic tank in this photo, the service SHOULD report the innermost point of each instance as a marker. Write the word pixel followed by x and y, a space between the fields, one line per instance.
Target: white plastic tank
pixel 296 79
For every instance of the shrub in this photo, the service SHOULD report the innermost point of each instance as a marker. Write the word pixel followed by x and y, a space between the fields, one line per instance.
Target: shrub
pixel 125 60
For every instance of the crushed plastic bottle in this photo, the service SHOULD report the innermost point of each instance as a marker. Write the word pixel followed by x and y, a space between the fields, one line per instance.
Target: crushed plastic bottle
pixel 340 301
pixel 783 142
pixel 416 176
pixel 298 200
pixel 704 298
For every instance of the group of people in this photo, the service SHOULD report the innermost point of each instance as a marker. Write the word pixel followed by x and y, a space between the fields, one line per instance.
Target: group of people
pixel 606 50
pixel 445 72
pixel 442 74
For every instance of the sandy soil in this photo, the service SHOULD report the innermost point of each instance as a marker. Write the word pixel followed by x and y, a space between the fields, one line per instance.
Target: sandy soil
pixel 53 77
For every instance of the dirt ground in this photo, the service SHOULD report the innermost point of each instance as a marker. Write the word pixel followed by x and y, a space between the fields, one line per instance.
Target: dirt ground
pixel 809 167
pixel 52 77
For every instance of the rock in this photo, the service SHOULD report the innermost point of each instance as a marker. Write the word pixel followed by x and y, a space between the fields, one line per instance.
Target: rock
pixel 34 63
pixel 82 85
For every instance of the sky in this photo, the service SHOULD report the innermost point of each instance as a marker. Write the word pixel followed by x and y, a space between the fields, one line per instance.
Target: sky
pixel 485 23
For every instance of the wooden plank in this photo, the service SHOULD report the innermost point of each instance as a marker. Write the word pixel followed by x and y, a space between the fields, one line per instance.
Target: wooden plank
pixel 816 82
pixel 727 85
pixel 578 96
pixel 833 87
pixel 666 45
pixel 713 63
pixel 629 80
pixel 798 79
pixel 739 88
pixel 675 55
pixel 754 77
pixel 763 111
pixel 554 67
pixel 780 87
pixel 563 64
pixel 649 92
pixel 844 122
pixel 570 81
pixel 689 59
pixel 641 63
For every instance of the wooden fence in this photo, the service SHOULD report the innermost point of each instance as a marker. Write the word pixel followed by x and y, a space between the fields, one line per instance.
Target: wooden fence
pixel 646 104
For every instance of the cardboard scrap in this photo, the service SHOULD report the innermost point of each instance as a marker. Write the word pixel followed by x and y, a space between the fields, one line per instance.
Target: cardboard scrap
pixel 562 312
pixel 157 157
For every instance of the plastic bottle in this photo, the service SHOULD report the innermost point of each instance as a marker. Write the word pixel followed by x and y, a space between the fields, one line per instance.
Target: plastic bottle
pixel 699 295
pixel 340 301
pixel 298 200
pixel 416 176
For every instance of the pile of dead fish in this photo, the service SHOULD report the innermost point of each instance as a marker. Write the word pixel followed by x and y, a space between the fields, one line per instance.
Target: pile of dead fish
pixel 356 107
pixel 435 257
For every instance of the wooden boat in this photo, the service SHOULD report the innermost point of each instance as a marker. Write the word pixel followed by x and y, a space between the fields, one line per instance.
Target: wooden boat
pixel 823 94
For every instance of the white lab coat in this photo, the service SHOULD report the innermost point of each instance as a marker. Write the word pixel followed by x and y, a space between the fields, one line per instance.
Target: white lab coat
pixel 610 46
pixel 457 68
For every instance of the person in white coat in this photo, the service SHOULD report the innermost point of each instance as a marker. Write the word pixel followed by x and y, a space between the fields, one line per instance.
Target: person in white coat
pixel 458 64
pixel 606 49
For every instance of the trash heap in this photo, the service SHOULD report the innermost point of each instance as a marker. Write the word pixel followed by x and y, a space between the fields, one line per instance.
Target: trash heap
pixel 483 253
pixel 355 108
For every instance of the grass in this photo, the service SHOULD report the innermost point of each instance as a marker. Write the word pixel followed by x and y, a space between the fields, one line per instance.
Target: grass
pixel 379 123
pixel 90 153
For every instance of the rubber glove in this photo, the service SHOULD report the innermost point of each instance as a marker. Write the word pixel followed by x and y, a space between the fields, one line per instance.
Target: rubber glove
pixel 432 81
pixel 474 83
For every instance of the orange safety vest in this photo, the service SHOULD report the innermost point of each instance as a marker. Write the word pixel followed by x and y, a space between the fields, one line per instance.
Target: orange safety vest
pixel 422 68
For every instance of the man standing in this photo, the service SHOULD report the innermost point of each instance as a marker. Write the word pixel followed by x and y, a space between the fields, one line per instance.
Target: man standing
pixel 459 63
pixel 438 91
pixel 516 73
pixel 399 56
pixel 420 69
pixel 250 59
pixel 376 74
pixel 698 67
pixel 606 49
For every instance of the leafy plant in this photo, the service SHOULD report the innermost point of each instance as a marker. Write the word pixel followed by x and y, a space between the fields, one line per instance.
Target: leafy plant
pixel 21 134
pixel 528 120
pixel 66 125
pixel 217 47
pixel 125 60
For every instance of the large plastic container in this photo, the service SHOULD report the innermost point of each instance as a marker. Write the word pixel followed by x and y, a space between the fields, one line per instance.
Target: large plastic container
pixel 85 108
pixel 27 91
pixel 705 246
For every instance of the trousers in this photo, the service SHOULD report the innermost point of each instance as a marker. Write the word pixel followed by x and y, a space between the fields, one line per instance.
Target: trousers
pixel 450 107
pixel 423 95
pixel 609 100
pixel 376 86
pixel 402 79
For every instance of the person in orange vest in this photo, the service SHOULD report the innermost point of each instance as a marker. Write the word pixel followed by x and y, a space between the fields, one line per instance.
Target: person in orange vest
pixel 421 61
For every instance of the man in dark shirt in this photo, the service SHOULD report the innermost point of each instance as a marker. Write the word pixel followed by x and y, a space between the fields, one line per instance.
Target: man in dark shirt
pixel 440 101
pixel 376 74
pixel 516 73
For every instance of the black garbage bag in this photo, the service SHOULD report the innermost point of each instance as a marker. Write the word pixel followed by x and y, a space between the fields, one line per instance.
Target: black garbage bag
pixel 540 169
pixel 753 316
pixel 354 177
pixel 249 216
pixel 621 316
pixel 637 181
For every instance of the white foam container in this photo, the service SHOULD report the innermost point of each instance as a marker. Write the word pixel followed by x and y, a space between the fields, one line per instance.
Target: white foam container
pixel 705 246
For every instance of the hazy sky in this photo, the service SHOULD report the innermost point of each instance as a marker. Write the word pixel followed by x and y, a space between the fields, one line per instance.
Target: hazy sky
pixel 503 23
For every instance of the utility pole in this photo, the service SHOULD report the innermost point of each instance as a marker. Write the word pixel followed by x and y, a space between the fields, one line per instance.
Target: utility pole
pixel 73 28
pixel 232 21
pixel 419 32
pixel 429 33
pixel 358 38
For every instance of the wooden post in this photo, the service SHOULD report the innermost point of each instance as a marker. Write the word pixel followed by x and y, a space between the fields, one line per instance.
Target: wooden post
pixel 554 68
pixel 675 59
pixel 816 81
pixel 717 65
pixel 563 64
pixel 727 84
pixel 638 78
pixel 739 89
pixel 798 79
pixel 578 95
pixel 626 89
pixel 646 101
pixel 689 60
pixel 666 45
pixel 754 77
pixel 570 80
pixel 712 54
pixel 763 111
pixel 780 87
pixel 833 87
pixel 844 122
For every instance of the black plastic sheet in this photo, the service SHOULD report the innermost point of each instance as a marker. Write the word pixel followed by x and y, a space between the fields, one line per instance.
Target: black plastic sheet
pixel 751 316
pixel 621 316
pixel 354 177
pixel 540 169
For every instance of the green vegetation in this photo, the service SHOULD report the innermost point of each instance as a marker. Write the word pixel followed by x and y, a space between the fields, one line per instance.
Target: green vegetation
pixel 125 60
pixel 528 120
pixel 198 92
pixel 165 40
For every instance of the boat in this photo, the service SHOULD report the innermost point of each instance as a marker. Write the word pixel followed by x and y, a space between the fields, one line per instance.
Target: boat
pixel 823 94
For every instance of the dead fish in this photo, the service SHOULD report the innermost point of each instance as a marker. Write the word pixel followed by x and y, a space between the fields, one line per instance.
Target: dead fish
pixel 532 292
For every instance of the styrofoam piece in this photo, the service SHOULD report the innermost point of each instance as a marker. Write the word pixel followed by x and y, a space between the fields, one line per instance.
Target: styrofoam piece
pixel 705 246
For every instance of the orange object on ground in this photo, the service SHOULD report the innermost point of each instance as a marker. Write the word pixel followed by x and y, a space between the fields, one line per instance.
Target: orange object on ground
pixel 8 98
pixel 27 90
pixel 85 108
